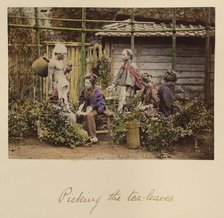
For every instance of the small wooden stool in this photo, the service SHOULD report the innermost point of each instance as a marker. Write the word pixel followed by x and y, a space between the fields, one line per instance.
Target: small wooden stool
pixel 105 119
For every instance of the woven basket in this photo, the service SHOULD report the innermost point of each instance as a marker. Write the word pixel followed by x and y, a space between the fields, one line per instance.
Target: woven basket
pixel 40 66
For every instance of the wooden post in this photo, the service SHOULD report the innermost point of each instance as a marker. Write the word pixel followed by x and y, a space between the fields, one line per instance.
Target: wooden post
pixel 138 55
pixel 112 55
pixel 83 50
pixel 174 40
pixel 132 33
pixel 39 80
pixel 207 59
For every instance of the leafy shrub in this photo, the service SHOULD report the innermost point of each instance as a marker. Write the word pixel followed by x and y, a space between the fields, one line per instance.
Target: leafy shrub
pixel 56 129
pixel 119 130
pixel 22 120
pixel 196 117
pixel 44 120
pixel 161 133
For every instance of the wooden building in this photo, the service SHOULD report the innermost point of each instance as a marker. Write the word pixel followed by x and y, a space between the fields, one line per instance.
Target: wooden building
pixel 153 52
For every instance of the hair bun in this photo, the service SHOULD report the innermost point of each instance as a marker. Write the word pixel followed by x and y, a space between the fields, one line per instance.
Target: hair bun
pixel 170 76
pixel 92 78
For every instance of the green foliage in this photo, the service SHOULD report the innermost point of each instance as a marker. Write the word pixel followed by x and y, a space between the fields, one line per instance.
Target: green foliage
pixel 119 124
pixel 44 120
pixel 102 70
pixel 22 119
pixel 56 129
pixel 119 130
pixel 160 134
pixel 196 117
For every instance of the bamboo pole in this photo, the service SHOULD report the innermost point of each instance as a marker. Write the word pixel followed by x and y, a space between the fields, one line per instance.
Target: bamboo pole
pixel 207 59
pixel 39 80
pixel 107 30
pixel 174 40
pixel 132 33
pixel 78 20
pixel 77 71
pixel 37 31
pixel 46 79
pixel 73 87
pixel 83 50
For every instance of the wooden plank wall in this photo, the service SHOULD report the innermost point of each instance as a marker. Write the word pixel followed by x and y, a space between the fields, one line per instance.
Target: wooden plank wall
pixel 191 65
pixel 154 55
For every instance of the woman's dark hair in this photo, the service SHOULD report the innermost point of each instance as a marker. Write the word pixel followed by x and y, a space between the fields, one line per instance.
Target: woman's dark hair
pixel 92 78
pixel 170 76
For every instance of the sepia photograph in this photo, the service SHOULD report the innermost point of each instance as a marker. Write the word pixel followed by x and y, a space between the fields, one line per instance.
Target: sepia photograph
pixel 92 83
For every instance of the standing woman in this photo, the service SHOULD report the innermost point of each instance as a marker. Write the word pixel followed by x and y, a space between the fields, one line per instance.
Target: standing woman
pixel 91 103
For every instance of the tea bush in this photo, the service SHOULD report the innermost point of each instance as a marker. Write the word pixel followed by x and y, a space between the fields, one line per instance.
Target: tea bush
pixel 161 133
pixel 22 120
pixel 56 129
pixel 196 117
pixel 45 121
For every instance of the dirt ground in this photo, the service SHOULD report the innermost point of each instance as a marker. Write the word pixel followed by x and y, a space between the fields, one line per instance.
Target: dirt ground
pixel 105 149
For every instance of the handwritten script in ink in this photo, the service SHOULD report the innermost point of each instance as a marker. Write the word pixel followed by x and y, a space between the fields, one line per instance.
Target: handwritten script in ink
pixel 69 196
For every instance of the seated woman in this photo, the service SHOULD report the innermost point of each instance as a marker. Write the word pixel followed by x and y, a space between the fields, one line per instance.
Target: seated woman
pixel 91 103
pixel 149 98
pixel 166 93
